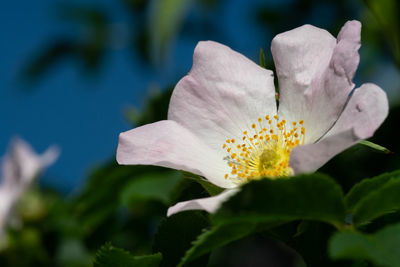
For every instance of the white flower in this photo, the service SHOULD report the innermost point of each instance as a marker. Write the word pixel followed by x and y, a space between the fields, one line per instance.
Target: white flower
pixel 223 122
pixel 19 168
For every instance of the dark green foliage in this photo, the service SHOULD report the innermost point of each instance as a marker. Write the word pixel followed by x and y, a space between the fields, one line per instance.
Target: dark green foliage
pixel 151 186
pixel 209 187
pixel 221 235
pixel 382 248
pixel 366 187
pixel 175 235
pixel 309 197
pixel 266 203
pixel 385 199
pixel 111 256
pixel 387 15
pixel 156 109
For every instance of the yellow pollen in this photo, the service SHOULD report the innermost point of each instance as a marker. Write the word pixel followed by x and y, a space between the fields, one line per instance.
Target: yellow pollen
pixel 261 154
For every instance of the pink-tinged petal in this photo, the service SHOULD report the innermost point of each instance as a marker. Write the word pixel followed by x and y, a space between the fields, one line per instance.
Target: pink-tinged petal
pixel 365 112
pixel 223 94
pixel 168 144
pixel 315 74
pixel 309 158
pixel 209 204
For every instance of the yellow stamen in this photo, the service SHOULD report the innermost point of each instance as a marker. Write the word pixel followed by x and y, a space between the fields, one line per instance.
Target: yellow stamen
pixel 261 154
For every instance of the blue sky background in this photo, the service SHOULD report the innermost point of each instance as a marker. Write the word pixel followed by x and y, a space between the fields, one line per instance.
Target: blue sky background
pixel 84 114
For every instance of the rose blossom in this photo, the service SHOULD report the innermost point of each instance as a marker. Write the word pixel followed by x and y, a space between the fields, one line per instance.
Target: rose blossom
pixel 19 168
pixel 224 124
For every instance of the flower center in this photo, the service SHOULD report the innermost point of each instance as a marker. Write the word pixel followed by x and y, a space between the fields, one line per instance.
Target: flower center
pixel 264 149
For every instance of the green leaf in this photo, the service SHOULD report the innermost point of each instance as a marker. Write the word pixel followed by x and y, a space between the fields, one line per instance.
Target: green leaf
pixel 366 187
pixel 383 200
pixel 175 235
pixel 262 59
pixel 166 17
pixel 375 147
pixel 212 189
pixel 267 203
pixel 219 236
pixel 305 197
pixel 116 257
pixel 382 248
pixel 151 186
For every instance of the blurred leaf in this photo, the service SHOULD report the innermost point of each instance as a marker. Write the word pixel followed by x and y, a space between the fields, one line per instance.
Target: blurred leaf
pixel 72 253
pixel 116 257
pixel 156 109
pixel 99 211
pixel 46 59
pixel 262 59
pixel 375 147
pixel 387 13
pixel 382 248
pixel 305 197
pixel 209 187
pixel 301 228
pixel 166 17
pixel 384 199
pixel 151 186
pixel 88 49
pixel 366 187
pixel 175 235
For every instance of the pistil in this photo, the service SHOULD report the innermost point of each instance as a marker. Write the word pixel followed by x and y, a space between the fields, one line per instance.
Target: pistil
pixel 264 149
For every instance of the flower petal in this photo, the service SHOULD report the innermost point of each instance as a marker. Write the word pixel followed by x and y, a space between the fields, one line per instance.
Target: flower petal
pixel 315 74
pixel 168 144
pixel 19 168
pixel 223 94
pixel 365 112
pixel 209 204
pixel 309 158
pixel 22 164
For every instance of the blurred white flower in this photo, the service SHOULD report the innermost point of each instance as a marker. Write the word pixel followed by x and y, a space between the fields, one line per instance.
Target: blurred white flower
pixel 19 167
